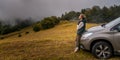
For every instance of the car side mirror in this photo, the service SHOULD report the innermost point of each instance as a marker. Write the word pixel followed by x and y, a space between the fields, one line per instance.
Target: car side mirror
pixel 103 25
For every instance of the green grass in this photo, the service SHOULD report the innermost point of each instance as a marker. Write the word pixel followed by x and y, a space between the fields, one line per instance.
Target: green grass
pixel 57 43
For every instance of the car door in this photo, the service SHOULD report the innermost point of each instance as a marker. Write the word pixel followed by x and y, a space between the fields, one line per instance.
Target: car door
pixel 117 37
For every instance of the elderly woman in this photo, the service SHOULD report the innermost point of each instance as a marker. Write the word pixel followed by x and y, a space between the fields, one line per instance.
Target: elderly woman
pixel 80 30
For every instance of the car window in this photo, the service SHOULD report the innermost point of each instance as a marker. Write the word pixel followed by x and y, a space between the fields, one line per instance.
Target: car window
pixel 112 23
pixel 117 27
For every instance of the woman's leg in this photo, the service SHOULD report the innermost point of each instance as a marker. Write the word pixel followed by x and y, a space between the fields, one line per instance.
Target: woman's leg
pixel 77 42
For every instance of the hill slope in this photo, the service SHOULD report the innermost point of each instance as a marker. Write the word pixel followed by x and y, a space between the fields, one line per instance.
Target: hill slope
pixel 52 44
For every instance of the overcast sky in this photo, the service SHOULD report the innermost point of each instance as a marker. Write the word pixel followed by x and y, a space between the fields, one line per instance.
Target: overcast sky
pixel 44 8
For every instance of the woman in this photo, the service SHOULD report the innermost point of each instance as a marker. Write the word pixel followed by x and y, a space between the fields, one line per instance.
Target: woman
pixel 80 30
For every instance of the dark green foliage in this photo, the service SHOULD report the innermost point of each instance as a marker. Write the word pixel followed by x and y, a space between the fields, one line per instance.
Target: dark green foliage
pixel 20 24
pixel 5 29
pixel 49 22
pixel 46 23
pixel 55 19
pixel 95 14
pixel 37 27
pixel 72 15
pixel 102 15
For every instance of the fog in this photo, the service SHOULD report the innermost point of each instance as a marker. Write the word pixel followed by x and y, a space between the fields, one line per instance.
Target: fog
pixel 38 9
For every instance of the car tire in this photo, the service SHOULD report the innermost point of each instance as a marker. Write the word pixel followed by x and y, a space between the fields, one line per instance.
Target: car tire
pixel 102 50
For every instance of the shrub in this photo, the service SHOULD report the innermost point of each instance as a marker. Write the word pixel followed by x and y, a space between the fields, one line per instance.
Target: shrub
pixel 47 23
pixel 5 29
pixel 26 32
pixel 19 35
pixel 37 27
pixel 55 19
pixel 1 37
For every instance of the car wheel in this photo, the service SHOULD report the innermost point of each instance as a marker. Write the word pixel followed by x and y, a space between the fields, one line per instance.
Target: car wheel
pixel 102 50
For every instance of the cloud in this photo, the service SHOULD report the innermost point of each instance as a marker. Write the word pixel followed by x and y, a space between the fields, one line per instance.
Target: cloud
pixel 11 9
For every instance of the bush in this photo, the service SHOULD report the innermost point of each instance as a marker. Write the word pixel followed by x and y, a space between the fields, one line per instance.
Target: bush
pixel 27 32
pixel 5 29
pixel 37 27
pixel 55 19
pixel 19 24
pixel 1 37
pixel 19 35
pixel 47 23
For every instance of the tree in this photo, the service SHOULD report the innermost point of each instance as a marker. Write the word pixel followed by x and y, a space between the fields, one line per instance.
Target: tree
pixel 72 15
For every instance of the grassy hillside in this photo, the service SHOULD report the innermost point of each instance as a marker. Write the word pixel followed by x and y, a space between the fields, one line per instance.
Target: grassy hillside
pixel 52 44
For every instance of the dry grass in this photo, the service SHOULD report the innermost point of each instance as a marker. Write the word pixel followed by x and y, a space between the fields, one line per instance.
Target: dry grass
pixel 52 44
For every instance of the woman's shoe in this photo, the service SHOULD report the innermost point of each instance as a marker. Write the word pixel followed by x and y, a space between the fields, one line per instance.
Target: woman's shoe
pixel 76 49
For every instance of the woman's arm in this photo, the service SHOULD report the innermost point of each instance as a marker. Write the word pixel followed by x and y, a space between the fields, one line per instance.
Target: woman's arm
pixel 80 25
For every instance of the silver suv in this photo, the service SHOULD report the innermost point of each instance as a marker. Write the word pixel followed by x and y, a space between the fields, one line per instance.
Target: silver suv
pixel 103 41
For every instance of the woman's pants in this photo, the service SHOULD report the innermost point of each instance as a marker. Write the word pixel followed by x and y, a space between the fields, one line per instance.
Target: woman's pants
pixel 77 41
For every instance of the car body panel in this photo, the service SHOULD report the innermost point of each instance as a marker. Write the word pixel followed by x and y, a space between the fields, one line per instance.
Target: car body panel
pixel 103 33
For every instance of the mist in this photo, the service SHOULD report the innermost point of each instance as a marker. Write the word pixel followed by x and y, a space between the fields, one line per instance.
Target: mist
pixel 38 9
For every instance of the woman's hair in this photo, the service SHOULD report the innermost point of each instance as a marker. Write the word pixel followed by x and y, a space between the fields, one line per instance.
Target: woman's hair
pixel 82 16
